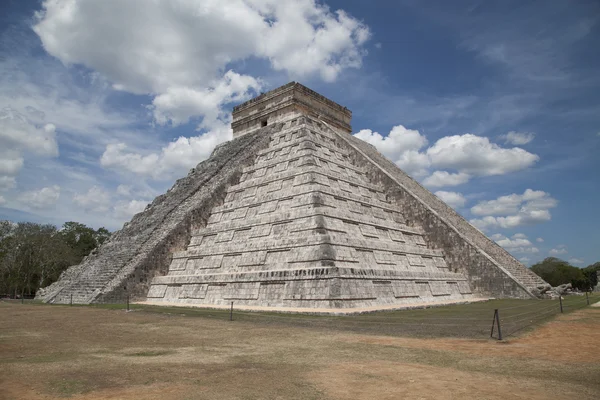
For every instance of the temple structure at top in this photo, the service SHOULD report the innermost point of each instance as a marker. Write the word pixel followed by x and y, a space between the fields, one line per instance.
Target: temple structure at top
pixel 279 104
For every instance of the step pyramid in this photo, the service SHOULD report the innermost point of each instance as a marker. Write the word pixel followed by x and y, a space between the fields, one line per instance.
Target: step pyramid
pixel 296 213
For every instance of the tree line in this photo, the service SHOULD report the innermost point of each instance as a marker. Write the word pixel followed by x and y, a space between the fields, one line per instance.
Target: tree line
pixel 34 255
pixel 558 272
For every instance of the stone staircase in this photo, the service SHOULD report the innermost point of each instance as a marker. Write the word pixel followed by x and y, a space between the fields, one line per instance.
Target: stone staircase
pixel 124 265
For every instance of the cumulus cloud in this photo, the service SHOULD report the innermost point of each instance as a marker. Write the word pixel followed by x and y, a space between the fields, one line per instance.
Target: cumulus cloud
pixel 20 135
pixel 178 104
pixel 124 190
pixel 149 47
pixel 18 132
pixel 518 138
pixel 95 199
pixel 468 154
pixel 174 158
pixel 98 200
pixel 518 243
pixel 453 199
pixel 539 240
pixel 11 163
pixel 558 250
pixel 531 207
pixel 2 200
pixel 42 198
pixel 476 155
pixel 7 182
pixel 177 51
pixel 126 210
pixel 402 146
pixel 576 260
pixel 444 178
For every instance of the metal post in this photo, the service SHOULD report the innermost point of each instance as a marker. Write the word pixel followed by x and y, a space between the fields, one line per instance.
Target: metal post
pixel 71 298
pixel 498 322
pixel 127 301
pixel 493 322
pixel 587 298
pixel 560 300
pixel 231 312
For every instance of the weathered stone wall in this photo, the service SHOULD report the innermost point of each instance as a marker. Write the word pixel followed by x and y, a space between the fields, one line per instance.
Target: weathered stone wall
pixel 305 228
pixel 287 99
pixel 491 270
pixel 143 248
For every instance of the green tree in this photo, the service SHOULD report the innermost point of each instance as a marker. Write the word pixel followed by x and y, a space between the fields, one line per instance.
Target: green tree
pixel 34 255
pixel 591 273
pixel 558 272
pixel 83 239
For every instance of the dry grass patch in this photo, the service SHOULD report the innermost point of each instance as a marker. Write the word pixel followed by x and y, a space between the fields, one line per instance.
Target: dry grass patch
pixel 53 352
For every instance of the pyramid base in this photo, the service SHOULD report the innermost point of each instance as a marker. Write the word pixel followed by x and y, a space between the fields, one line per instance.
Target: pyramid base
pixel 316 311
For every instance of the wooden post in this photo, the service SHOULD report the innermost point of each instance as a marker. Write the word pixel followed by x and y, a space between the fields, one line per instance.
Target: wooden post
pixel 560 300
pixel 127 301
pixel 71 298
pixel 231 312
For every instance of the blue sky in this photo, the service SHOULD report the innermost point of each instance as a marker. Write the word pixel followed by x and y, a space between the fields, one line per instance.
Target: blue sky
pixel 494 106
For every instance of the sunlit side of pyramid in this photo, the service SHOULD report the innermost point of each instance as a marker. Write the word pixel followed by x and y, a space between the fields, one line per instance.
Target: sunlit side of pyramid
pixel 296 213
pixel 308 226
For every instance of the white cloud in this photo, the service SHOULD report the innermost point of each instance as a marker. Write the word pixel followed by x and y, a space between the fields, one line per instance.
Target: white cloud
pixel 531 207
pixel 175 158
pixel 476 155
pixel 126 210
pixel 468 154
pixel 576 260
pixel 11 163
pixel 178 104
pixel 453 199
pixel 539 240
pixel 20 135
pixel 40 199
pixel 444 178
pixel 124 190
pixel 397 142
pixel 525 260
pixel 176 52
pixel 7 182
pixel 518 138
pixel 149 47
pixel 518 243
pixel 402 146
pixel 95 199
pixel 2 200
pixel 558 250
pixel 18 132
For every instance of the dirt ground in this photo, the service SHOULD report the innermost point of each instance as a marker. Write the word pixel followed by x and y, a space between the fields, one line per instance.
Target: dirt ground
pixel 50 352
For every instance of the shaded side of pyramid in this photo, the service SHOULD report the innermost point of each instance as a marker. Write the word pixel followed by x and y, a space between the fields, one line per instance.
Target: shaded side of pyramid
pixel 125 265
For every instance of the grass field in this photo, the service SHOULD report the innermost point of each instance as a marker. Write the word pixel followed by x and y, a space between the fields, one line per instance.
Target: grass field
pixel 103 352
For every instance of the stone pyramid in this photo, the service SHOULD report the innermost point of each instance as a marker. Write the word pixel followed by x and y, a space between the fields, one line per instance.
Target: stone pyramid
pixel 296 213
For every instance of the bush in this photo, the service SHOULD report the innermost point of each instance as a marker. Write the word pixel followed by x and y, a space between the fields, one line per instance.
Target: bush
pixel 558 272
